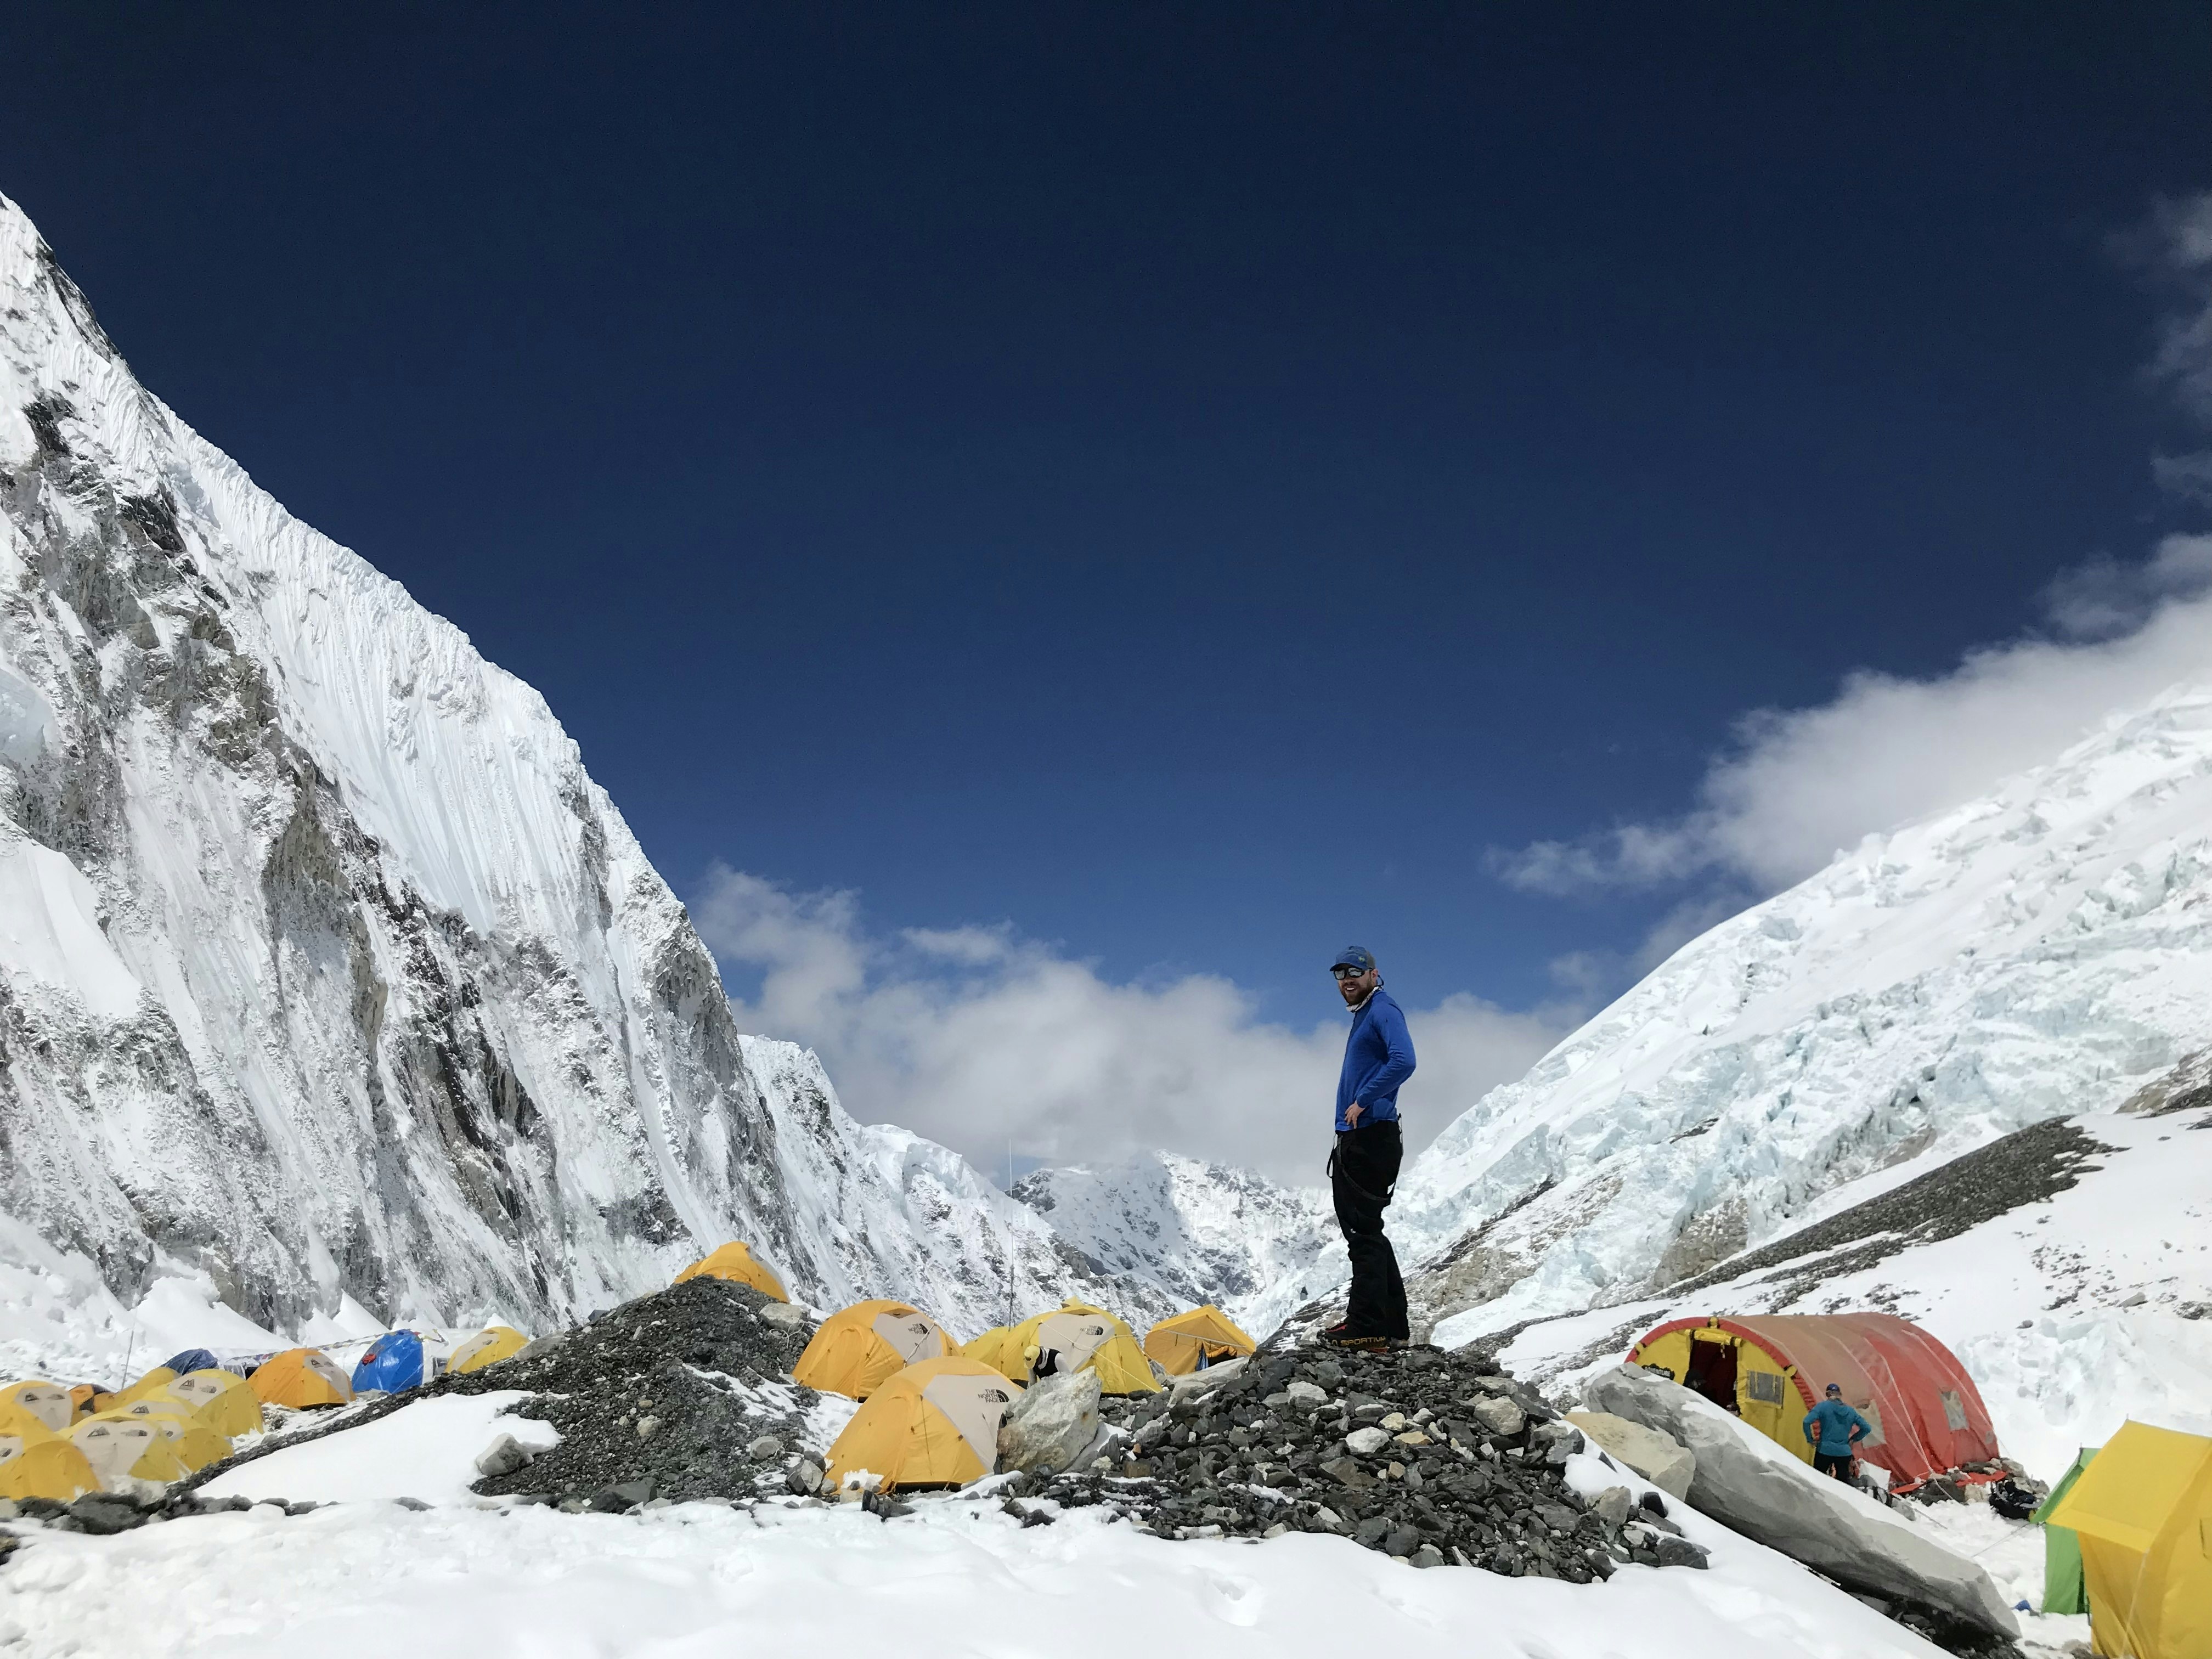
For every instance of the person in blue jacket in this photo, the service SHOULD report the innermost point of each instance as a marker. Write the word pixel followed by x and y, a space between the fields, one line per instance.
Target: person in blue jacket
pixel 1378 1056
pixel 1834 1431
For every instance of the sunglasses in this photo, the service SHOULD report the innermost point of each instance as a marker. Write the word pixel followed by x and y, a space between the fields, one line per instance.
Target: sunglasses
pixel 1347 973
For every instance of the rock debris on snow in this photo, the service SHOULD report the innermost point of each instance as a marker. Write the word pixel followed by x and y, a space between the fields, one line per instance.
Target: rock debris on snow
pixel 1395 1451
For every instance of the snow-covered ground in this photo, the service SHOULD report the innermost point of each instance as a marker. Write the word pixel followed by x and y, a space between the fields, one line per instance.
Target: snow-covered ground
pixel 476 1579
pixel 424 1450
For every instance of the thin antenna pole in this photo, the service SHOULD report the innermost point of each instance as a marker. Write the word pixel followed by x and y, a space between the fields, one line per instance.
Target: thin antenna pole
pixel 1010 1237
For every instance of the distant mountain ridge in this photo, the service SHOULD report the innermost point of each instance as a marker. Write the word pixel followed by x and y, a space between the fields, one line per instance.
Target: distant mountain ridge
pixel 1203 1232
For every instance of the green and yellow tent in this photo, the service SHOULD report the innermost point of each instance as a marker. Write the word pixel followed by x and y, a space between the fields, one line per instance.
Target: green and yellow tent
pixel 2063 1589
pixel 2143 1511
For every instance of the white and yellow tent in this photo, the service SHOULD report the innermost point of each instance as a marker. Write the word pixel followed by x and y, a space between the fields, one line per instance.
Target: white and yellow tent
pixel 152 1383
pixel 196 1444
pixel 932 1424
pixel 117 1444
pixel 36 1462
pixel 488 1347
pixel 223 1400
pixel 858 1349
pixel 1205 1335
pixel 299 1378
pixel 2142 1515
pixel 1074 1337
pixel 48 1403
pixel 736 1262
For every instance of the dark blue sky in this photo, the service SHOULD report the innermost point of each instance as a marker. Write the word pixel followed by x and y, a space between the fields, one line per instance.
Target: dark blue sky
pixel 1183 480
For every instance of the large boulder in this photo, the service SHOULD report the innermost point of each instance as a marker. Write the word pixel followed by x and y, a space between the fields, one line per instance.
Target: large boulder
pixel 1663 1460
pixel 1051 1425
pixel 1748 1483
pixel 1192 1384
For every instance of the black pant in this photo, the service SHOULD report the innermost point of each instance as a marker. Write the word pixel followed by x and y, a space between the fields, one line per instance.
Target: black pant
pixel 1837 1464
pixel 1361 1173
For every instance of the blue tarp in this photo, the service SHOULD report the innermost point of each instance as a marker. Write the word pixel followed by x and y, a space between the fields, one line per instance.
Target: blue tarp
pixel 394 1361
pixel 191 1360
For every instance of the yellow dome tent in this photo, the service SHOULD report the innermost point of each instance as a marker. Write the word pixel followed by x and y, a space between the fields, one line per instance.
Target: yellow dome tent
pixel 735 1262
pixel 2142 1513
pixel 83 1401
pixel 35 1462
pixel 222 1400
pixel 196 1444
pixel 116 1445
pixel 488 1347
pixel 299 1378
pixel 1074 1337
pixel 48 1403
pixel 991 1349
pixel 1178 1345
pixel 858 1349
pixel 932 1424
pixel 153 1382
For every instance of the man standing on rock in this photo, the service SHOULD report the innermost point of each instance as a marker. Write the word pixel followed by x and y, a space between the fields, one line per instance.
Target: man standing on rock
pixel 1363 1170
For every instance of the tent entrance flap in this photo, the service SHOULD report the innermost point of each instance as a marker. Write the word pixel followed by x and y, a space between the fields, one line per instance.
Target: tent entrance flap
pixel 1712 1372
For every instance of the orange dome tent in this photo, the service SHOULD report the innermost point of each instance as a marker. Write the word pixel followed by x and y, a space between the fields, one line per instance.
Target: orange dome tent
pixel 858 1349
pixel 735 1262
pixel 1772 1369
pixel 299 1378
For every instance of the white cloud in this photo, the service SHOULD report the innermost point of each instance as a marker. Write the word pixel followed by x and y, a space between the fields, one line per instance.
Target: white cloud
pixel 975 1036
pixel 2182 254
pixel 1800 784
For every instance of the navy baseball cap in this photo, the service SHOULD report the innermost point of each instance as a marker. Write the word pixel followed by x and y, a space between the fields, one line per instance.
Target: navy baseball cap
pixel 1353 956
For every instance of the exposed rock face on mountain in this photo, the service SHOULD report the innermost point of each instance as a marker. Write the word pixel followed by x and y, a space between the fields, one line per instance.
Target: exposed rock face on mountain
pixel 1202 1232
pixel 325 967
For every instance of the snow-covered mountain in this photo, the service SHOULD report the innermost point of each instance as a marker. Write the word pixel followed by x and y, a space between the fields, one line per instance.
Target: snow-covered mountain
pixel 1204 1232
pixel 2044 951
pixel 325 970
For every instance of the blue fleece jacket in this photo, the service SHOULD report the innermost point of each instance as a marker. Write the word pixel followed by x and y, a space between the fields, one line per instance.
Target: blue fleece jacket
pixel 1378 1056
pixel 1836 1421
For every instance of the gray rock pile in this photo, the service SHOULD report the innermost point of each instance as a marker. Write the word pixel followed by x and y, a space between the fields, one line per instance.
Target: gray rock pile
pixel 1434 1457
pixel 681 1394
